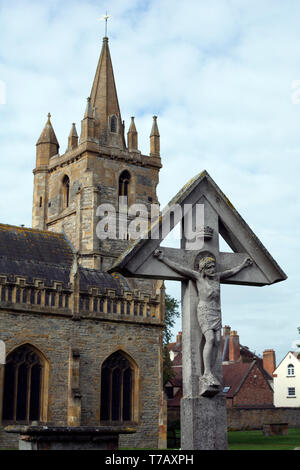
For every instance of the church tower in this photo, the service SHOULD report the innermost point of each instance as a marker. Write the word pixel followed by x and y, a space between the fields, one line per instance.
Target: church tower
pixel 95 169
pixel 91 352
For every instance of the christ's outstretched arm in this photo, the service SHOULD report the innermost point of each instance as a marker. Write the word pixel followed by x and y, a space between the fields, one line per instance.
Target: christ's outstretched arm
pixel 237 269
pixel 186 272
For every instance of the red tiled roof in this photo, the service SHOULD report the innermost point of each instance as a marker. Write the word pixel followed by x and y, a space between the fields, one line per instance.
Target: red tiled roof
pixel 246 354
pixel 233 375
pixel 177 360
pixel 176 380
pixel 176 347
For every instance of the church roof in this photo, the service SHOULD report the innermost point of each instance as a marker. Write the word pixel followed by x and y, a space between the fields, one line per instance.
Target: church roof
pixel 48 256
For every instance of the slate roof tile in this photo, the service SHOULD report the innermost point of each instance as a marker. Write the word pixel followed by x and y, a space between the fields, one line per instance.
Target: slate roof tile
pixel 35 254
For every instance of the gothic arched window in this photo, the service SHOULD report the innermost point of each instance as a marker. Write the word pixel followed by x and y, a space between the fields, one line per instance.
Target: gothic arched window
pixel 66 192
pixel 124 182
pixel 117 376
pixel 113 124
pixel 23 379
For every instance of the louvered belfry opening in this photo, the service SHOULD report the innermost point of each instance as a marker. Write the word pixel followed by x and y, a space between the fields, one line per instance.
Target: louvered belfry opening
pixel 66 192
pixel 22 386
pixel 124 182
pixel 113 124
pixel 116 389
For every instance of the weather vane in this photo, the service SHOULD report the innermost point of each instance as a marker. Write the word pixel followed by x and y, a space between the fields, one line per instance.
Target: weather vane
pixel 105 18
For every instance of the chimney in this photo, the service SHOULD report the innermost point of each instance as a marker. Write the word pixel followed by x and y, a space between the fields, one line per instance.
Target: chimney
pixel 269 361
pixel 179 338
pixel 225 343
pixel 226 331
pixel 234 347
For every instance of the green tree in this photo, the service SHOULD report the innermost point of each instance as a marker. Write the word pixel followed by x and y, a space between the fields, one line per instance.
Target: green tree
pixel 171 313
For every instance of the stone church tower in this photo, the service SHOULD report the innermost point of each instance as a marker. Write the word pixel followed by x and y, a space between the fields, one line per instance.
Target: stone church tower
pixel 83 347
pixel 96 169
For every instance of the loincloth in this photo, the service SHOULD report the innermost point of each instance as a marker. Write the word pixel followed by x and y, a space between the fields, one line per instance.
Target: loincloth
pixel 209 318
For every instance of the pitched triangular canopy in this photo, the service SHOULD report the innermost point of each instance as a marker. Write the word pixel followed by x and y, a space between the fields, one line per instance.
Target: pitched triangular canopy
pixel 138 260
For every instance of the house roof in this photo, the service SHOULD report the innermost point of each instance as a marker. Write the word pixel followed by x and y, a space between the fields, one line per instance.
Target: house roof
pixel 176 347
pixel 35 254
pixel 296 354
pixel 176 382
pixel 234 376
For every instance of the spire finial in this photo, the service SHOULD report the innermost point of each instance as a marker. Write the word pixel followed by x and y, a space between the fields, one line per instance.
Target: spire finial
pixel 88 111
pixel 105 18
pixel 155 139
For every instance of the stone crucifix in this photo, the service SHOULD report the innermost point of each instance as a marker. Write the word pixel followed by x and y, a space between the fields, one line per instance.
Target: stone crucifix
pixel 207 282
pixel 202 267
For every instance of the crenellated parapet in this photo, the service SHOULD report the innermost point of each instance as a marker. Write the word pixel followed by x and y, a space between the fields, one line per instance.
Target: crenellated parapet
pixel 22 295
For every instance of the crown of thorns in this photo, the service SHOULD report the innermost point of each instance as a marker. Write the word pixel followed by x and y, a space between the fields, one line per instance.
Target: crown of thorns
pixel 204 261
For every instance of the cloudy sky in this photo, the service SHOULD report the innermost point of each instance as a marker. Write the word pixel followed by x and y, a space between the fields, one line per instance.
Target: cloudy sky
pixel 220 77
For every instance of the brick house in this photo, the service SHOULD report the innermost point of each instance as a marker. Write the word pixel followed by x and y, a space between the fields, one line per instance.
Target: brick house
pixel 247 384
pixel 247 379
pixel 83 347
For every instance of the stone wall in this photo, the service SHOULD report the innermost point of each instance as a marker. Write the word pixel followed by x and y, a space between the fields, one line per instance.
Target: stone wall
pixel 242 418
pixel 96 338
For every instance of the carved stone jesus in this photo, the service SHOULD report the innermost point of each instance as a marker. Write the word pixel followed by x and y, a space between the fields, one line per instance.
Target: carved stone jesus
pixel 207 281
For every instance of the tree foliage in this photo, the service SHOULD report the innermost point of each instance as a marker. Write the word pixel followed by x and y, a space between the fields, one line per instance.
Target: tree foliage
pixel 171 313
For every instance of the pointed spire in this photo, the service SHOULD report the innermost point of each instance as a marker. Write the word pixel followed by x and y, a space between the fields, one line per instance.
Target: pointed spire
pixel 132 136
pixel 104 100
pixel 47 145
pixel 155 139
pixel 48 135
pixel 73 138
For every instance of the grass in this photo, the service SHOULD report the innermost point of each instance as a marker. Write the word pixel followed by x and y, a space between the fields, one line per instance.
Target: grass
pixel 255 440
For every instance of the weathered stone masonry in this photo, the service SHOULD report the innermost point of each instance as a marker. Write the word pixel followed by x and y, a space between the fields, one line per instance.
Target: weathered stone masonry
pixel 55 294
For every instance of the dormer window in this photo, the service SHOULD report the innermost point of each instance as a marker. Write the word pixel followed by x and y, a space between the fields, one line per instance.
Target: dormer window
pixel 290 370
pixel 113 124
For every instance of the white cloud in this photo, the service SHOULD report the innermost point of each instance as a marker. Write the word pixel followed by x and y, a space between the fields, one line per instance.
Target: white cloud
pixel 219 76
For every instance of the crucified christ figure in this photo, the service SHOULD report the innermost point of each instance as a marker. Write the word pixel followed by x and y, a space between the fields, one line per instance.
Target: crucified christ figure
pixel 208 308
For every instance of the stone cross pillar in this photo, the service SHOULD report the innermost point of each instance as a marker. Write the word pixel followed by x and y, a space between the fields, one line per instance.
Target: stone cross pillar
pixel 201 268
pixel 203 419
